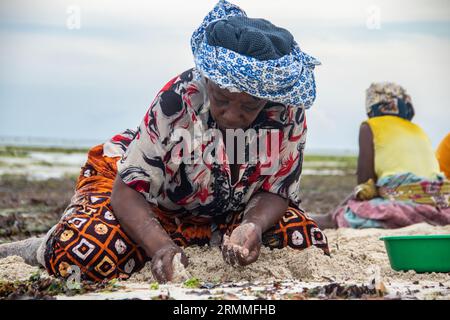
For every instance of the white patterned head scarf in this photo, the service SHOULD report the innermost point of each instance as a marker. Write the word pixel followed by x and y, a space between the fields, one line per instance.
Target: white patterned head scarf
pixel 288 80
pixel 388 98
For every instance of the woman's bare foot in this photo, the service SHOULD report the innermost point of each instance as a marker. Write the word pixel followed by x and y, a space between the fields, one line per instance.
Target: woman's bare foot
pixel 324 221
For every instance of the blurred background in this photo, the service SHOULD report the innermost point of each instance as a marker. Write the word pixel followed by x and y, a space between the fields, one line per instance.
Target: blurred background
pixel 75 73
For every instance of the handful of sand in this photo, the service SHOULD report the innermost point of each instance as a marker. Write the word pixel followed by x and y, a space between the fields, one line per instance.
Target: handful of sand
pixel 180 273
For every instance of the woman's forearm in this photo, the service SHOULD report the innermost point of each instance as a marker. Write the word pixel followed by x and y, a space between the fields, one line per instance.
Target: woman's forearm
pixel 136 217
pixel 265 209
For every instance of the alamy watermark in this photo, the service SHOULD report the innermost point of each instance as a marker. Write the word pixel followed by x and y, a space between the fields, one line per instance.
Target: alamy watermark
pixel 373 20
pixel 242 147
pixel 73 21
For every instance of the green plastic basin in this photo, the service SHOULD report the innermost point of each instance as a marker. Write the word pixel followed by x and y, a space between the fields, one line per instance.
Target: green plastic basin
pixel 421 253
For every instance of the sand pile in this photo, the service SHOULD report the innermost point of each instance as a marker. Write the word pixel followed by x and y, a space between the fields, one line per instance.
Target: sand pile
pixel 14 268
pixel 356 255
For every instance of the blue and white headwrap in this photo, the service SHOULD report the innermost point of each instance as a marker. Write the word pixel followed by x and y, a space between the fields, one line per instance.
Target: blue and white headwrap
pixel 288 80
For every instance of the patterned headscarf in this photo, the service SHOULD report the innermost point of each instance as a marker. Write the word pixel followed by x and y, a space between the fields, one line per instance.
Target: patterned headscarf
pixel 388 98
pixel 277 76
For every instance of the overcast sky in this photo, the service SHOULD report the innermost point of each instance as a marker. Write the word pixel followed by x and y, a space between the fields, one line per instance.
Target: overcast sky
pixel 60 81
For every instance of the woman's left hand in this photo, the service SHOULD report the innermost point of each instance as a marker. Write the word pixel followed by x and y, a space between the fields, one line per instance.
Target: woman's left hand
pixel 243 246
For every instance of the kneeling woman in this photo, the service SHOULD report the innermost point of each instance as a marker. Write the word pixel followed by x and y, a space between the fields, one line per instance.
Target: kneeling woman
pixel 398 174
pixel 135 203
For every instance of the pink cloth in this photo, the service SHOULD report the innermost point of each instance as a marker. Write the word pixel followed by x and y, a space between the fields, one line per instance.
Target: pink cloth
pixel 392 214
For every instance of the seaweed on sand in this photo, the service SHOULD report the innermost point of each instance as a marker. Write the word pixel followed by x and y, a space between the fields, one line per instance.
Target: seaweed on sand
pixel 336 291
pixel 46 288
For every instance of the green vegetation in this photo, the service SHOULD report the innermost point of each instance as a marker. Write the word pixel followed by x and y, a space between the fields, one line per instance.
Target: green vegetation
pixel 23 151
pixel 16 152
pixel 154 286
pixel 46 288
pixel 344 161
pixel 192 283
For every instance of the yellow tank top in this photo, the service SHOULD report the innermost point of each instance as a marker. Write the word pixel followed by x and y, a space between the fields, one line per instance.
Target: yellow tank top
pixel 400 147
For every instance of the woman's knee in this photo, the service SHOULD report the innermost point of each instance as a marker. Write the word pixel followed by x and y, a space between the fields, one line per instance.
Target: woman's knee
pixel 94 246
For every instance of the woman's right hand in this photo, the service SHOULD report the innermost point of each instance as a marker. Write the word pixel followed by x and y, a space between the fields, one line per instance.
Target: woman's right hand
pixel 162 262
pixel 138 220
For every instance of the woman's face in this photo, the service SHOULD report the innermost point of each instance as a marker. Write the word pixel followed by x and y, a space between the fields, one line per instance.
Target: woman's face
pixel 232 110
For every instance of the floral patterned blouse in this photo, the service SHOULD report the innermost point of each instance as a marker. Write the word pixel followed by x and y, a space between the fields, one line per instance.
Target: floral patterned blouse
pixel 201 189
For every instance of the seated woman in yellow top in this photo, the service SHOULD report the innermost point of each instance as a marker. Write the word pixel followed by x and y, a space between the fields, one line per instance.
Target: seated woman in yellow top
pixel 399 181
